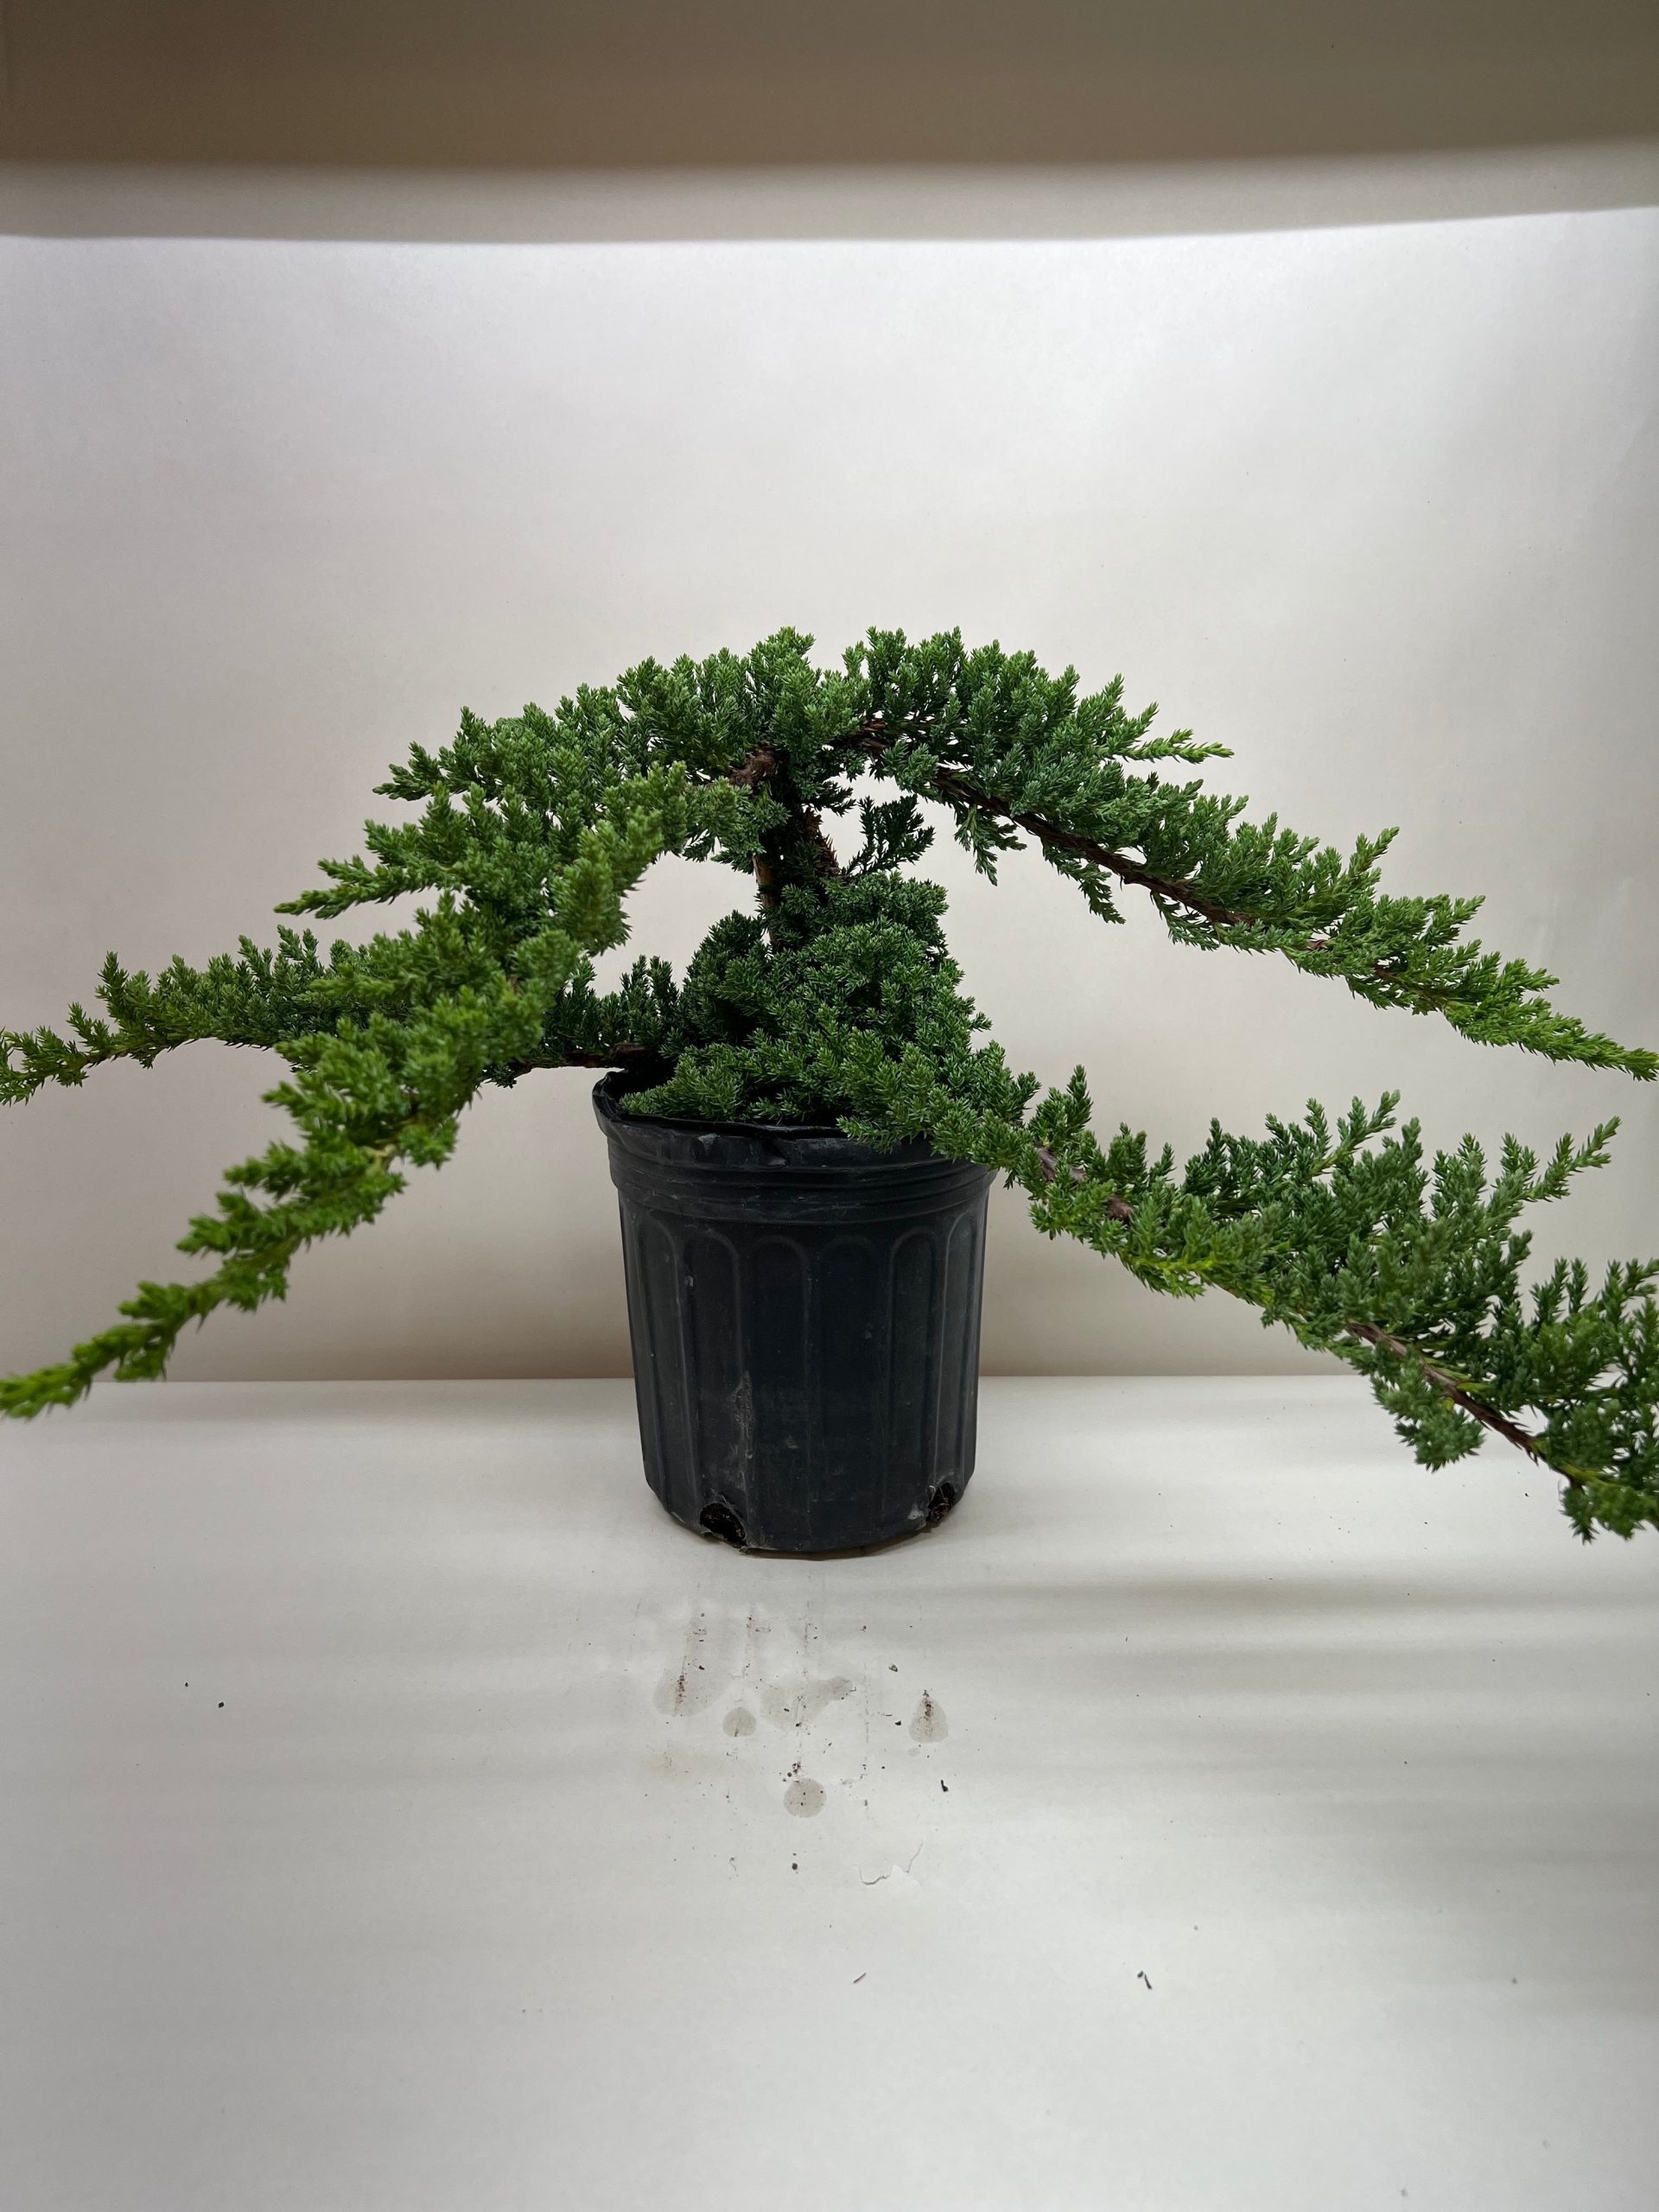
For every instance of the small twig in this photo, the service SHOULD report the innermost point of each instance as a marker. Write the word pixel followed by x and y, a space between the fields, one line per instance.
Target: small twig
pixel 1116 1208
pixel 1459 1393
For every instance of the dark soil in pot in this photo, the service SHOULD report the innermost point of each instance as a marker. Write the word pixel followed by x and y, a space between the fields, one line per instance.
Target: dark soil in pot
pixel 805 1314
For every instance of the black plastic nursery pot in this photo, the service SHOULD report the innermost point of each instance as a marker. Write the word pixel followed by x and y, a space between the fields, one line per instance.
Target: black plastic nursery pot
pixel 804 1315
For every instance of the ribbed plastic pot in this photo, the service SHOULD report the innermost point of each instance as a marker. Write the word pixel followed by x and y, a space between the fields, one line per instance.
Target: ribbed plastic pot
pixel 805 1314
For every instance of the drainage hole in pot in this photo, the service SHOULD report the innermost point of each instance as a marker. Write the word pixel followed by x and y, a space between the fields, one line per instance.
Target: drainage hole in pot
pixel 939 1503
pixel 717 1519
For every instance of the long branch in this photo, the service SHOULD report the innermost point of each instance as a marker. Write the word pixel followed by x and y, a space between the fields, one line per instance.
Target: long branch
pixel 873 740
pixel 1450 1386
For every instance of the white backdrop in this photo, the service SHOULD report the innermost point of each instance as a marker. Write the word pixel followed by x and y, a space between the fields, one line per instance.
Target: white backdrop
pixel 1374 506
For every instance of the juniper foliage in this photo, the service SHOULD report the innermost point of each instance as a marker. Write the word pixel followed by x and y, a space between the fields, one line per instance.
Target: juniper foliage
pixel 832 999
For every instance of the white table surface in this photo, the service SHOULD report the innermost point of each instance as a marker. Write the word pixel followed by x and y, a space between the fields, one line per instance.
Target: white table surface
pixel 373 1833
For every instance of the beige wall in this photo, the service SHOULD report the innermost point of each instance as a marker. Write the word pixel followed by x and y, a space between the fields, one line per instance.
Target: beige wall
pixel 1376 505
pixel 615 83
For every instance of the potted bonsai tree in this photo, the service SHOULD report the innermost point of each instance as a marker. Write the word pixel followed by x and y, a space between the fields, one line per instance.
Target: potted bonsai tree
pixel 804 1127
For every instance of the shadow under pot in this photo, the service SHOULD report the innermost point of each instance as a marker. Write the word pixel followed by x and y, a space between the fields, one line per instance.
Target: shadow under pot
pixel 805 1314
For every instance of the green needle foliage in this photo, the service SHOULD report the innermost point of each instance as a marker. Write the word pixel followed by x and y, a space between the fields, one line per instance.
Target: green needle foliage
pixel 830 998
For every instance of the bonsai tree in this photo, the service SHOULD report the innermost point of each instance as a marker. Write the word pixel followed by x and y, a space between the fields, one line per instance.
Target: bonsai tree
pixel 831 998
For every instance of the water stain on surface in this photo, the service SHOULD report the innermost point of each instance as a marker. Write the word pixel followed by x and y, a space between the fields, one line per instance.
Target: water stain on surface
pixel 803 1797
pixel 794 1705
pixel 928 1724
pixel 740 1722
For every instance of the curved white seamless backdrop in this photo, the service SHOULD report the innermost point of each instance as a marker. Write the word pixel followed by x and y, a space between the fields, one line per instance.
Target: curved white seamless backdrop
pixel 1377 507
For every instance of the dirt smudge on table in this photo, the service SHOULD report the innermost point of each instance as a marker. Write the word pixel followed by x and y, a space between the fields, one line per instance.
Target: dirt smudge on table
pixel 928 1724
pixel 796 1705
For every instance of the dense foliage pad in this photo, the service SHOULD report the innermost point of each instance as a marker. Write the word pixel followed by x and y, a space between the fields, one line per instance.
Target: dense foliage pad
pixel 832 999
